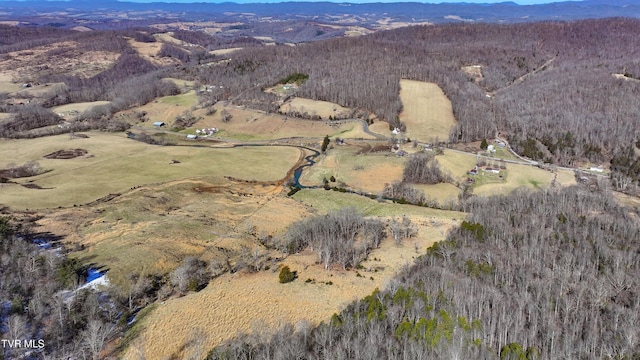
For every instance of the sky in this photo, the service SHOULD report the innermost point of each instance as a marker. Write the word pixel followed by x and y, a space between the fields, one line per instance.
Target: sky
pixel 520 2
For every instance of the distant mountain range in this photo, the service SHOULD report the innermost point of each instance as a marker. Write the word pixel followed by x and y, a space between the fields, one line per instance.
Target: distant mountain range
pixel 326 12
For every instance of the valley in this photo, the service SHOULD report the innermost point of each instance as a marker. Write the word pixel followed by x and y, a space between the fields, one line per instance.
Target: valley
pixel 191 176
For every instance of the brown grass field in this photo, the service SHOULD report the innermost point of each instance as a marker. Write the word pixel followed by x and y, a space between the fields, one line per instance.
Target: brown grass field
pixel 117 164
pixel 221 52
pixel 427 111
pixel 324 109
pixel 149 51
pixel 150 229
pixel 368 172
pixel 244 302
pixel 79 107
pixel 251 125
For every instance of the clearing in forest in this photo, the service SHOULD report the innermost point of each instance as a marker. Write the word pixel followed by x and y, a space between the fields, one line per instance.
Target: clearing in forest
pixel 427 111
pixel 323 109
pixel 149 51
pixel 76 108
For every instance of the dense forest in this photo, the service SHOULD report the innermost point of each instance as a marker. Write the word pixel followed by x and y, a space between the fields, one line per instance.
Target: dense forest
pixel 533 275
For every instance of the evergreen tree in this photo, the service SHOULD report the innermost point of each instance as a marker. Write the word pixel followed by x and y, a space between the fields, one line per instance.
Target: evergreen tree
pixel 325 143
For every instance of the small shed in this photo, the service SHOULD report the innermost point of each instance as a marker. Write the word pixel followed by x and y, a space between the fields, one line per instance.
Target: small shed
pixel 192 137
pixel 159 124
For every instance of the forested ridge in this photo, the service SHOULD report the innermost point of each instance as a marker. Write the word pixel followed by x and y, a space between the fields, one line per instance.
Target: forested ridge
pixel 549 87
pixel 534 275
pixel 560 92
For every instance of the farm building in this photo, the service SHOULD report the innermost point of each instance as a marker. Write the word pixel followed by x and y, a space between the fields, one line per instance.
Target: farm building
pixel 159 124
pixel 192 137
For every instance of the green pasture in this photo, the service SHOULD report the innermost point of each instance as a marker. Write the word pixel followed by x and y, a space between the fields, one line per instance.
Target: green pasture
pixel 118 163
pixel 187 99
pixel 328 200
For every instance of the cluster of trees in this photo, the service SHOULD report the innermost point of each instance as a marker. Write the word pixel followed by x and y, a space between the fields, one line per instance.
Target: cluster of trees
pixel 423 168
pixel 533 275
pixel 13 171
pixel 625 170
pixel 341 237
pixel 28 117
pixel 404 192
pixel 39 285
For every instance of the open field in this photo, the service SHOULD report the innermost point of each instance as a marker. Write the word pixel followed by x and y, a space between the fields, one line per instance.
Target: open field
pixel 115 163
pixel 456 164
pixel 187 99
pixel 149 51
pixel 7 85
pixel 517 176
pixel 166 109
pixel 443 193
pixel 246 302
pixel 221 52
pixel 77 107
pixel 324 109
pixel 150 229
pixel 427 111
pixel 326 200
pixel 250 125
pixel 368 172
pixel 167 37
pixel 185 84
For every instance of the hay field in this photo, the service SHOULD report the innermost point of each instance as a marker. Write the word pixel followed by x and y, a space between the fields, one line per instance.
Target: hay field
pixel 167 37
pixel 427 111
pixel 187 99
pixel 456 163
pixel 324 109
pixel 250 125
pixel 368 172
pixel 220 52
pixel 118 163
pixel 443 193
pixel 79 107
pixel 244 302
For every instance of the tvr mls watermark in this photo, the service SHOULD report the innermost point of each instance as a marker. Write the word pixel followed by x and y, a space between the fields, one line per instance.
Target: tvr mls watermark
pixel 22 343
